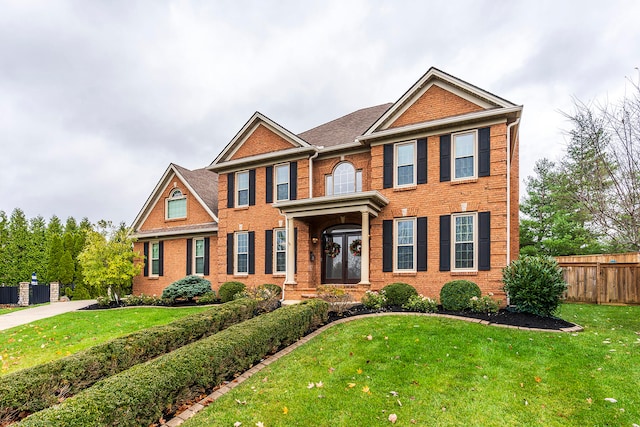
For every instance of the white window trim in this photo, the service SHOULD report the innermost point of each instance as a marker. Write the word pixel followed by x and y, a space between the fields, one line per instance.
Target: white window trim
pixel 171 198
pixel 475 155
pixel 237 189
pixel 275 180
pixel 395 245
pixel 275 252
pixel 475 241
pixel 396 164
pixel 329 188
pixel 236 253
pixel 151 258
pixel 195 256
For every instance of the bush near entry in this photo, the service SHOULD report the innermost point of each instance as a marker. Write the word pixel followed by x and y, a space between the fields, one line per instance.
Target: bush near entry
pixel 456 295
pixel 398 294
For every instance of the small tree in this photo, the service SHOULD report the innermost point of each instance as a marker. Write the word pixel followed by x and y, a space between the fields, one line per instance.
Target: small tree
pixel 108 261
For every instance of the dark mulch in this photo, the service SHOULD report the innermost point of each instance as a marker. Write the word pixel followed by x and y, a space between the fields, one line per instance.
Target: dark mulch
pixel 502 317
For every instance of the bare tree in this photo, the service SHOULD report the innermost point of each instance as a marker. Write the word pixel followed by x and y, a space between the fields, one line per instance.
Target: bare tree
pixel 603 162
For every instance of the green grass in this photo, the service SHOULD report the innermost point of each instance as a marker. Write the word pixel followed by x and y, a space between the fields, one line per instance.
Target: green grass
pixel 11 310
pixel 56 337
pixel 445 372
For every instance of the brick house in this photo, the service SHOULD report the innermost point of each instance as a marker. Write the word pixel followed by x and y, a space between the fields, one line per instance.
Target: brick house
pixel 422 191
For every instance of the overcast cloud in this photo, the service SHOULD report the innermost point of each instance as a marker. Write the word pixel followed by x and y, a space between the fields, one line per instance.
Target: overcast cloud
pixel 98 97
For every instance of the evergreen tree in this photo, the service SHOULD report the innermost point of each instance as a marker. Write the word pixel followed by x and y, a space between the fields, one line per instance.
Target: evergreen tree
pixel 4 241
pixel 37 250
pixel 55 255
pixel 17 248
pixel 66 269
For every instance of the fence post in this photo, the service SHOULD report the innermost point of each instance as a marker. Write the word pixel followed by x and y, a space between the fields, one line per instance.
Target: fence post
pixel 23 294
pixel 54 292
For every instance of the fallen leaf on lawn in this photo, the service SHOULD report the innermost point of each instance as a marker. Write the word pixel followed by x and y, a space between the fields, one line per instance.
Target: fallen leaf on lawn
pixel 265 379
pixel 538 379
pixel 413 421
pixel 393 418
pixel 399 403
pixel 319 384
pixel 589 400
pixel 365 389
pixel 369 337
pixel 239 402
pixel 386 338
pixel 359 371
pixel 285 410
pixel 237 424
pixel 331 370
pixel 610 399
pixel 311 385
pixel 394 393
pixel 351 385
pixel 259 424
pixel 522 385
pixel 526 402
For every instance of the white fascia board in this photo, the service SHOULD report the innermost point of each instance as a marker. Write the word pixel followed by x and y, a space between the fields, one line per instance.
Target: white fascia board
pixel 197 196
pixel 262 159
pixel 168 232
pixel 152 199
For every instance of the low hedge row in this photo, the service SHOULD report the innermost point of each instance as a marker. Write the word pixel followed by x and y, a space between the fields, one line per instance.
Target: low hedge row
pixel 33 389
pixel 142 394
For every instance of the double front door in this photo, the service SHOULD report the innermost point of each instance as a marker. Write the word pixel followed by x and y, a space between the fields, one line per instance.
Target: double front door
pixel 342 250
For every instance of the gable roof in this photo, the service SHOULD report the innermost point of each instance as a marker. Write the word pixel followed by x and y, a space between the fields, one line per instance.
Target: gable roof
pixel 345 129
pixel 201 183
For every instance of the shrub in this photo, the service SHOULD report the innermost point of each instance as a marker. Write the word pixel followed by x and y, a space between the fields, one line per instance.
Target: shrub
pixel 485 304
pixel 421 304
pixel 374 300
pixel 274 289
pixel 398 294
pixel 456 295
pixel 208 298
pixel 103 301
pixel 266 297
pixel 41 386
pixel 142 299
pixel 139 395
pixel 187 288
pixel 336 296
pixel 229 289
pixel 534 285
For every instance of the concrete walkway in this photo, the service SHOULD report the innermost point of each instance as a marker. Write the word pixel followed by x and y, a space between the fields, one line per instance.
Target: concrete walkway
pixel 23 317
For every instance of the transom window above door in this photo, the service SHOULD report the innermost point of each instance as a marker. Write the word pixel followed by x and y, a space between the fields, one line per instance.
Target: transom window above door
pixel 345 179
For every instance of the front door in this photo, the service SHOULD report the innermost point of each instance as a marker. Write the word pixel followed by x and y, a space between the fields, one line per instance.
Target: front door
pixel 342 247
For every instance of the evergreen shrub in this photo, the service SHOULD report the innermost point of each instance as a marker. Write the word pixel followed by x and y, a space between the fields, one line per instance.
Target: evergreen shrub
pixel 398 294
pixel 187 288
pixel 456 295
pixel 229 289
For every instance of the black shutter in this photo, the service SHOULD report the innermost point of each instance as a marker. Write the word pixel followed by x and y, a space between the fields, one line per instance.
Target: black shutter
pixel 269 182
pixel 422 160
pixel 252 252
pixel 387 168
pixel 484 152
pixel 189 255
pixel 230 260
pixel 445 243
pixel 422 243
pixel 445 158
pixel 231 190
pixel 252 187
pixel 484 241
pixel 161 258
pixel 146 258
pixel 207 253
pixel 387 245
pixel 293 181
pixel 295 250
pixel 268 251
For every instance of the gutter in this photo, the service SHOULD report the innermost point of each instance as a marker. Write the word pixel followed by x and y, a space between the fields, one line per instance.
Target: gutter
pixel 516 122
pixel 310 177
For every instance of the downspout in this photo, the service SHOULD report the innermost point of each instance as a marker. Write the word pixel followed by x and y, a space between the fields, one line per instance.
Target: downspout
pixel 311 173
pixel 509 191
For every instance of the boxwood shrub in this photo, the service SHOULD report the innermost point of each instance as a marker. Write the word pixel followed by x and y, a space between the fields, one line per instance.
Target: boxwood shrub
pixel 456 295
pixel 398 294
pixel 33 389
pixel 145 393
pixel 229 289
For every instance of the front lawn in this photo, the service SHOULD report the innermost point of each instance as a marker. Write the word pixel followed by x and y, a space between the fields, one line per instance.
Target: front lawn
pixel 60 336
pixel 436 371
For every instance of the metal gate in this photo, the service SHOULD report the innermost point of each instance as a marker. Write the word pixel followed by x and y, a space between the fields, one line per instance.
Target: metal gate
pixel 8 294
pixel 39 294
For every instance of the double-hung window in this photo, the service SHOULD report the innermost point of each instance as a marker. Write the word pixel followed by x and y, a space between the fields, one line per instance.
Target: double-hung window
pixel 405 173
pixel 242 188
pixel 176 205
pixel 242 253
pixel 155 258
pixel 198 258
pixel 280 251
pixel 464 241
pixel 282 182
pixel 464 155
pixel 405 244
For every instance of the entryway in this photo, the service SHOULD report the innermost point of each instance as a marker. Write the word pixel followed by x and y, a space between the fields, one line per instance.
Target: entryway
pixel 342 249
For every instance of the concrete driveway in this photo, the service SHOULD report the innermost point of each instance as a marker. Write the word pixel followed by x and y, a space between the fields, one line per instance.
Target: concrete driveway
pixel 29 315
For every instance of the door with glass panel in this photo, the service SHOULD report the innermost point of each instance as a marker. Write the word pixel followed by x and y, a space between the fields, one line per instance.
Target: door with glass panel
pixel 342 250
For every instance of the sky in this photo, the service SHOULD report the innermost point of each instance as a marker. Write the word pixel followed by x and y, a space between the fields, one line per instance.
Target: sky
pixel 97 98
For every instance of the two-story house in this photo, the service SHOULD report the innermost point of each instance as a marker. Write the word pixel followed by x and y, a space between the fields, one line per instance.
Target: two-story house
pixel 421 191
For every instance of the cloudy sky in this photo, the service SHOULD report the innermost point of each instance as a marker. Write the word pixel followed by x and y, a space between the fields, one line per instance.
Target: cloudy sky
pixel 98 97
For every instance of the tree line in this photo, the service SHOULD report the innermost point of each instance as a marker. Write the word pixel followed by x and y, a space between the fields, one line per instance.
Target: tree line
pixel 588 201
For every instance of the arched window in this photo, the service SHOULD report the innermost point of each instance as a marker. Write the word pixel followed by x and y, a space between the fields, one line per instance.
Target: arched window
pixel 176 205
pixel 344 180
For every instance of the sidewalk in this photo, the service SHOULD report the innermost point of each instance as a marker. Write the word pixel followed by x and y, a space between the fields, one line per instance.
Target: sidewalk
pixel 23 317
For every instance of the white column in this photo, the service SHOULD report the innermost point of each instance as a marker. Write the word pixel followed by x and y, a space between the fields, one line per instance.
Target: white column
pixel 291 256
pixel 364 254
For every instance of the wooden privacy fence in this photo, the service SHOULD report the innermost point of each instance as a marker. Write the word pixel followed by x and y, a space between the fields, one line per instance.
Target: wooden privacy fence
pixel 602 279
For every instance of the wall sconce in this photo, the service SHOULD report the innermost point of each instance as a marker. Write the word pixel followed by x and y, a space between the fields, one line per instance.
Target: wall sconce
pixel 314 240
pixel 312 256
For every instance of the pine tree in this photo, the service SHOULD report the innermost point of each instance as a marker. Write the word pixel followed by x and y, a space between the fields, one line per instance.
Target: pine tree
pixel 55 255
pixel 37 250
pixel 17 248
pixel 4 241
pixel 66 269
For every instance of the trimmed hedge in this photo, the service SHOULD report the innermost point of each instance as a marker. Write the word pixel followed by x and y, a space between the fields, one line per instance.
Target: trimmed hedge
pixel 228 290
pixel 33 389
pixel 456 295
pixel 398 294
pixel 142 394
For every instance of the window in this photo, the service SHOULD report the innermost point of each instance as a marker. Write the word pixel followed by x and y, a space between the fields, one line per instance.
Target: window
pixel 280 251
pixel 199 256
pixel 282 182
pixel 464 155
pixel 464 242
pixel 176 205
pixel 405 253
pixel 242 188
pixel 405 164
pixel 242 253
pixel 155 259
pixel 344 180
